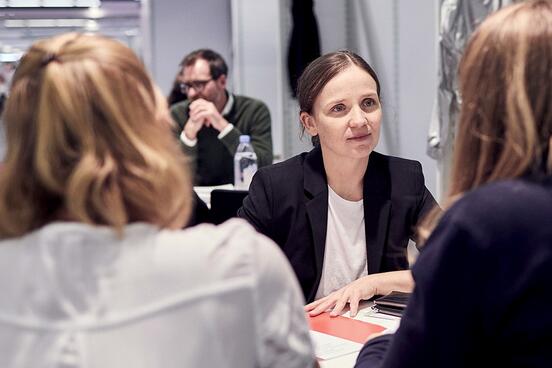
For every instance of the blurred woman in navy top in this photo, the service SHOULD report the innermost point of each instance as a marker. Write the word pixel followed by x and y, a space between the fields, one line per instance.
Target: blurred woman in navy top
pixel 482 294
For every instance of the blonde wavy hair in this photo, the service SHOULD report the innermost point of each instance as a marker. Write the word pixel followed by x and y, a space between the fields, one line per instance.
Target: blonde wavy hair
pixel 89 139
pixel 505 122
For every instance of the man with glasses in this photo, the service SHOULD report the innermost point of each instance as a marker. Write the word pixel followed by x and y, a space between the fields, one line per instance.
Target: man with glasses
pixel 211 120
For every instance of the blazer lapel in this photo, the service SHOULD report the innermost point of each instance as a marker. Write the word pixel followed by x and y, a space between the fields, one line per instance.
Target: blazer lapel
pixel 377 209
pixel 316 203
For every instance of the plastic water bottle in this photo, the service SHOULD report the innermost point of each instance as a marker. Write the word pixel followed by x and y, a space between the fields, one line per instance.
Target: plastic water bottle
pixel 245 163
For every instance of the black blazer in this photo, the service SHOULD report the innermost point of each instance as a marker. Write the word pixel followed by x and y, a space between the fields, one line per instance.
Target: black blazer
pixel 288 202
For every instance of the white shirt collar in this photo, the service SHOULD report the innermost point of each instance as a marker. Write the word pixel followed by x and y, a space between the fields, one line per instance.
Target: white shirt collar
pixel 228 106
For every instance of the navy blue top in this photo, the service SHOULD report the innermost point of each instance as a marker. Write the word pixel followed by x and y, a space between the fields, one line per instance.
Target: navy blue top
pixel 483 294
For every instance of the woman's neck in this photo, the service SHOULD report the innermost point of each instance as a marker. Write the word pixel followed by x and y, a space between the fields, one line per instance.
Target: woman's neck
pixel 346 177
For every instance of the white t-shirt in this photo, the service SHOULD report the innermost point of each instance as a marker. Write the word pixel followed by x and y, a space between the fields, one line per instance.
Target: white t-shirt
pixel 75 295
pixel 345 258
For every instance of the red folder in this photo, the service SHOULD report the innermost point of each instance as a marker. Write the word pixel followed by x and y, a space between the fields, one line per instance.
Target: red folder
pixel 346 328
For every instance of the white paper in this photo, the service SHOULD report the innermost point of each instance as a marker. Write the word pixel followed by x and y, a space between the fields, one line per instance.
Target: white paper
pixel 329 347
pixel 205 192
pixel 391 323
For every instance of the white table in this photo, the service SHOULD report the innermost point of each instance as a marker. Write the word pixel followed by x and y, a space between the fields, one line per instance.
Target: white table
pixel 204 193
pixel 368 315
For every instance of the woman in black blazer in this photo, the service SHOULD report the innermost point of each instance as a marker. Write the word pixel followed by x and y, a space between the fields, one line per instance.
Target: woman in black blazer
pixel 341 213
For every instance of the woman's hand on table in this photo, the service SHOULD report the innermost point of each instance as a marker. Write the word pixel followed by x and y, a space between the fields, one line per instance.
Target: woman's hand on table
pixel 353 293
pixel 361 289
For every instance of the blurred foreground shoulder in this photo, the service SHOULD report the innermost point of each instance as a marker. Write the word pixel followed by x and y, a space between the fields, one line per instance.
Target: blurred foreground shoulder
pixel 283 332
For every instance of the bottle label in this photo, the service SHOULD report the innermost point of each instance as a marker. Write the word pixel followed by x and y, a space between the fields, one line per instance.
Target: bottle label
pixel 248 173
pixel 245 166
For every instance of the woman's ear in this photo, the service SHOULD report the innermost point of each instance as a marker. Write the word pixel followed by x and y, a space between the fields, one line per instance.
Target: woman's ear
pixel 308 123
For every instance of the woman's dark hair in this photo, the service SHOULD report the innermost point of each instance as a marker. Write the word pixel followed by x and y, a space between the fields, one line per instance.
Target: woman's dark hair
pixel 217 65
pixel 321 71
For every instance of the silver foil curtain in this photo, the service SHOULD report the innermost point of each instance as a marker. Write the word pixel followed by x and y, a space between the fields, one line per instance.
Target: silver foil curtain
pixel 457 21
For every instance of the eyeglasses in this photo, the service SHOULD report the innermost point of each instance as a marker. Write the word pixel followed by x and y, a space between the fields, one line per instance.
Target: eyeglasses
pixel 198 85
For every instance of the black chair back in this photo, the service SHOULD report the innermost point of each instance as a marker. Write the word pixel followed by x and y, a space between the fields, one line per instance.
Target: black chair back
pixel 225 204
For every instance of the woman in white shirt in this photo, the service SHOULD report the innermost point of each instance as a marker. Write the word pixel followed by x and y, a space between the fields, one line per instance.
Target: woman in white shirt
pixel 94 271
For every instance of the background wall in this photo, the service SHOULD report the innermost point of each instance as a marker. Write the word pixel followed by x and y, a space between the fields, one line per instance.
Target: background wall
pixel 397 37
pixel 259 35
pixel 176 28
